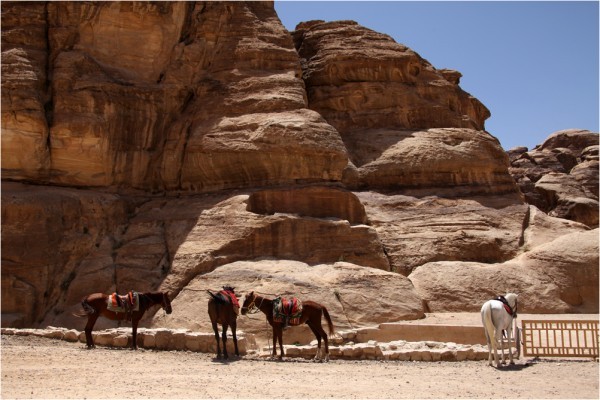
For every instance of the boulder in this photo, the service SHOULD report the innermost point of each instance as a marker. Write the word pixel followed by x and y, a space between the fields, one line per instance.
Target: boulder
pixel 340 287
pixel 557 277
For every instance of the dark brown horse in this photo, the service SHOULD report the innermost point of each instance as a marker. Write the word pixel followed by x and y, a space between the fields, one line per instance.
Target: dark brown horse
pixel 221 310
pixel 311 315
pixel 96 305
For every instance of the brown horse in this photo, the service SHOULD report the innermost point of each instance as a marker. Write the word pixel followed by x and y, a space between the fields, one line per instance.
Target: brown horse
pixel 96 305
pixel 311 315
pixel 221 311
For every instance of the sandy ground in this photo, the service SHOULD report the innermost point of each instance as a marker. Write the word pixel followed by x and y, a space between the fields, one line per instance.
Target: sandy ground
pixel 34 367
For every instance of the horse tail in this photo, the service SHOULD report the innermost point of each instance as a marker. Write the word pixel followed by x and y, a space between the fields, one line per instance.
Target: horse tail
pixel 87 309
pixel 216 298
pixel 488 324
pixel 328 319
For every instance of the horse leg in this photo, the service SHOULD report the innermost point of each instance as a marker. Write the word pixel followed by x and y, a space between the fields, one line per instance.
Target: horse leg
pixel 216 329
pixel 326 340
pixel 134 326
pixel 233 328
pixel 225 355
pixel 318 336
pixel 88 330
pixel 489 346
pixel 509 337
pixel 498 337
pixel 275 336
pixel 280 337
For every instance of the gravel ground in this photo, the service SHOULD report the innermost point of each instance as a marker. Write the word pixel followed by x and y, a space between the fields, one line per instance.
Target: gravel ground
pixel 35 367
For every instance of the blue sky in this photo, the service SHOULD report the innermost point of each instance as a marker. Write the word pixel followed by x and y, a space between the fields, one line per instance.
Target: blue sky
pixel 533 64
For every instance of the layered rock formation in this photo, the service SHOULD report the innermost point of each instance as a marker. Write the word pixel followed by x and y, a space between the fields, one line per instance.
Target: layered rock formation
pixel 182 146
pixel 560 176
pixel 406 125
pixel 211 100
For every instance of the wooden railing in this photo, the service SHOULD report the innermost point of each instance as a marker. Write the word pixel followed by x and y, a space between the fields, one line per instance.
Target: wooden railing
pixel 560 338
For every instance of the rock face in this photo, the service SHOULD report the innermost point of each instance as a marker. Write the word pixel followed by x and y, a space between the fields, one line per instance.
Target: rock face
pixel 569 283
pixel 182 146
pixel 405 124
pixel 375 82
pixel 560 176
pixel 211 100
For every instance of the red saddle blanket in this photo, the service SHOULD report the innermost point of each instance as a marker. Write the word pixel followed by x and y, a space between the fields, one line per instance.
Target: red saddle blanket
pixel 287 309
pixel 229 294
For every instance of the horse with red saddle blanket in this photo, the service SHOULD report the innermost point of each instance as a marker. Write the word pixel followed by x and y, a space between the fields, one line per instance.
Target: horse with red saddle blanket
pixel 223 308
pixel 278 313
pixel 130 307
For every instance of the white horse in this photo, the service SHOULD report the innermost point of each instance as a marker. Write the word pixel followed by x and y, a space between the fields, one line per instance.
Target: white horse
pixel 497 316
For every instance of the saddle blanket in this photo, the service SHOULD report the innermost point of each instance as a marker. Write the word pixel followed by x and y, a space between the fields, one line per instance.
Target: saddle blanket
pixel 123 304
pixel 228 294
pixel 290 309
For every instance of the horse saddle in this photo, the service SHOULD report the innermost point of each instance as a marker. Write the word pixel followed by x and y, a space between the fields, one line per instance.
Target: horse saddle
pixel 228 296
pixel 287 310
pixel 124 303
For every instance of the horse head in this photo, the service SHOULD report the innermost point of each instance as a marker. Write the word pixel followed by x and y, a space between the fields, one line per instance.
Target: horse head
pixel 166 303
pixel 248 303
pixel 512 300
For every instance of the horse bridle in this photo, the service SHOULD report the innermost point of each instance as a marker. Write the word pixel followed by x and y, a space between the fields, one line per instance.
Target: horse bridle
pixel 252 308
pixel 164 303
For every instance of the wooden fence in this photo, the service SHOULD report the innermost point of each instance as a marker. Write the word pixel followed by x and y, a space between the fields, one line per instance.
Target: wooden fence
pixel 560 338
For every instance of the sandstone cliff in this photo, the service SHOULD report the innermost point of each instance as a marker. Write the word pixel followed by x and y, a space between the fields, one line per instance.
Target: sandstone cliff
pixel 186 145
pixel 560 176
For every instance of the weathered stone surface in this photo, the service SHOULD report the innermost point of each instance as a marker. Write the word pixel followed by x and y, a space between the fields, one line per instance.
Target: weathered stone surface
pixel 385 100
pixel 415 230
pixel 52 237
pixel 558 276
pixel 451 162
pixel 560 176
pixel 168 242
pixel 25 152
pixel 358 77
pixel 211 100
pixel 312 201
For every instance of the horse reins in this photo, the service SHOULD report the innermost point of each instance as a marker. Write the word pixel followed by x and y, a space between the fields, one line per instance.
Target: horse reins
pixel 252 308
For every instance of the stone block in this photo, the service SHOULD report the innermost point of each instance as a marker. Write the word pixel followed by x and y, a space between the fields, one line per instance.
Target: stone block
pixel 162 339
pixel 72 335
pixel 149 340
pixel 120 341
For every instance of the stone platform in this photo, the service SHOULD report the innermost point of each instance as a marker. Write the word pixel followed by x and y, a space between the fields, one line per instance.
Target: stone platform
pixel 438 337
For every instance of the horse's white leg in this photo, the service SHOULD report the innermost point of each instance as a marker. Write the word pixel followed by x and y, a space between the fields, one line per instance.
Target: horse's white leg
pixel 318 355
pixel 503 359
pixel 509 335
pixel 496 338
pixel 489 346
